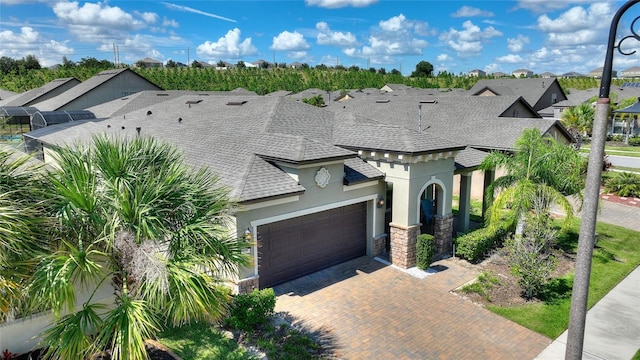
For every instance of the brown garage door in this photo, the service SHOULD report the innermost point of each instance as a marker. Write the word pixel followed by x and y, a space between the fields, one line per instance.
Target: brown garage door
pixel 295 247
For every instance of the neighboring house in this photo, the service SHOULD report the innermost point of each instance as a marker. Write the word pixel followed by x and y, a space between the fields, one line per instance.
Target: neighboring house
pixel 520 73
pixel 571 74
pixel 261 64
pixel 149 63
pixel 105 86
pixel 539 92
pixel 477 73
pixel 45 92
pixel 295 65
pixel 547 75
pixel 632 72
pixel 597 73
pixel 499 74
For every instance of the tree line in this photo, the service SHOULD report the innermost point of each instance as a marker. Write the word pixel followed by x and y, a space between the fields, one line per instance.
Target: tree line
pixel 25 74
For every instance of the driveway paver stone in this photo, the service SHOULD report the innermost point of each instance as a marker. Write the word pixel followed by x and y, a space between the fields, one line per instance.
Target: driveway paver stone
pixel 369 310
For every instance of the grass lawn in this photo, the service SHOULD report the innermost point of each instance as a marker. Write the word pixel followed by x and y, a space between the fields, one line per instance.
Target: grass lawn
pixel 202 341
pixel 476 209
pixel 633 151
pixel 636 356
pixel 615 256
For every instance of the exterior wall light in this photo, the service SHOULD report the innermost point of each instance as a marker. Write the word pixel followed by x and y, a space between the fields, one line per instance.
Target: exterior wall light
pixel 248 235
pixel 380 202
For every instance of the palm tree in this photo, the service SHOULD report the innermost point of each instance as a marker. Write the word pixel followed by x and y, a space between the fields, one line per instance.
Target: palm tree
pixel 133 216
pixel 21 228
pixel 579 121
pixel 538 164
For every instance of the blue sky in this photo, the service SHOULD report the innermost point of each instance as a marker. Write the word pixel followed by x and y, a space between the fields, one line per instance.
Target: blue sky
pixel 455 36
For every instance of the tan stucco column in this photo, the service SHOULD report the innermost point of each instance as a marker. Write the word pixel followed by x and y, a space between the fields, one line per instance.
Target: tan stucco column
pixel 464 202
pixel 489 177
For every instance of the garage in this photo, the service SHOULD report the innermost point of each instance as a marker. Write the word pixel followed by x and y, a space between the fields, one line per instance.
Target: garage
pixel 298 246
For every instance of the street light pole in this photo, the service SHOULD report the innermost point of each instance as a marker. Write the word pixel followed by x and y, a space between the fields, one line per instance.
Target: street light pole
pixel 580 293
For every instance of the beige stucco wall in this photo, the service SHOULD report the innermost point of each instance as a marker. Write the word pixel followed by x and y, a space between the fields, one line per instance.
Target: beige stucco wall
pixel 410 180
pixel 477 183
pixel 313 200
pixel 20 336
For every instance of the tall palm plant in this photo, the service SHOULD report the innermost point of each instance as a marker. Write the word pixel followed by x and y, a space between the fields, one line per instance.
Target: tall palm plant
pixel 21 228
pixel 579 121
pixel 537 164
pixel 131 214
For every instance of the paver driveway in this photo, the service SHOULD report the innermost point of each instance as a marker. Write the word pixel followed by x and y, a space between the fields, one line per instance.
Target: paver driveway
pixel 369 310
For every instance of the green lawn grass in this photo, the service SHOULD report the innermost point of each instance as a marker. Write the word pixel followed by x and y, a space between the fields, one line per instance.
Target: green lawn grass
pixel 636 356
pixel 616 255
pixel 202 341
pixel 476 209
pixel 633 151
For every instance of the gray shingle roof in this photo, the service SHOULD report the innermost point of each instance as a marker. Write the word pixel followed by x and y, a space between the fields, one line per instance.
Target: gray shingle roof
pixel 357 170
pixel 83 88
pixel 237 142
pixel 469 158
pixel 531 89
pixel 31 96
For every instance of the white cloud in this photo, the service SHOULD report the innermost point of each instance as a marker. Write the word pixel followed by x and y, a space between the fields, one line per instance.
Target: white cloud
pixel 335 38
pixel 469 40
pixel 99 23
pixel 468 11
pixel 444 57
pixel 149 17
pixel 510 59
pixel 228 47
pixel 540 6
pixel 517 44
pixel 29 42
pixel 396 36
pixel 289 41
pixel 170 23
pixel 335 4
pixel 298 55
pixel 94 15
pixel 578 25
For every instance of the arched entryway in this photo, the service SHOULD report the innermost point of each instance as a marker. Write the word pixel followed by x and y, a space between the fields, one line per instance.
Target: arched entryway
pixel 430 205
pixel 434 215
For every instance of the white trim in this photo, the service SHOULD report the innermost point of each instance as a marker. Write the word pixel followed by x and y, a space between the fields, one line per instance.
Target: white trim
pixel 255 223
pixel 268 203
pixel 360 185
pixel 433 180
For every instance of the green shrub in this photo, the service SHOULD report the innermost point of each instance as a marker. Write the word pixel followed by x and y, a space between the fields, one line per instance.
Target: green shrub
pixel 249 310
pixel 623 184
pixel 425 249
pixel 473 245
pixel 634 141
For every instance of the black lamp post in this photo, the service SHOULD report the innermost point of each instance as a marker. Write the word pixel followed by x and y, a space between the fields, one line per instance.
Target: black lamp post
pixel 577 317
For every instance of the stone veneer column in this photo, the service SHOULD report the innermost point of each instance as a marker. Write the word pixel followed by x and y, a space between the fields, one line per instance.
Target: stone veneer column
pixel 443 232
pixel 247 285
pixel 379 244
pixel 403 244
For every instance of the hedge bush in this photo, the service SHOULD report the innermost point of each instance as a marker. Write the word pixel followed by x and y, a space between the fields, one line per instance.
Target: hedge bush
pixel 248 310
pixel 425 249
pixel 473 245
pixel 634 141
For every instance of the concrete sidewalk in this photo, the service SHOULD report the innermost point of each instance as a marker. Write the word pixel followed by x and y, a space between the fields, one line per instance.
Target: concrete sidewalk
pixel 612 329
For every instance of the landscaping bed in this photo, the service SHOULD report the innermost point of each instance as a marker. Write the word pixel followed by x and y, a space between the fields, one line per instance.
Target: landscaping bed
pixel 500 287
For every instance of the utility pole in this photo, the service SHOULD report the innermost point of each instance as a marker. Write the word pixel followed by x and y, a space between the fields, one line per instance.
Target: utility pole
pixel 580 293
pixel 188 57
